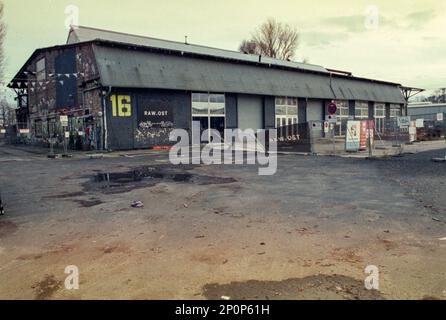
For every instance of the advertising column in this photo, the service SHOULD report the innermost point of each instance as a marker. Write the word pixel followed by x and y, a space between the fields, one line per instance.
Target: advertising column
pixel 367 128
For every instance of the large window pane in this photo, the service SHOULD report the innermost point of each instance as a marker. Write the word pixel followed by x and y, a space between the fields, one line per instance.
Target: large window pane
pixel 217 98
pixel 292 111
pixel 213 98
pixel 216 108
pixel 195 97
pixel 204 97
pixel 286 101
pixel 343 112
pixel 395 111
pixel 362 110
pixel 380 111
pixel 204 125
pixel 281 110
pixel 200 108
pixel 292 101
pixel 280 101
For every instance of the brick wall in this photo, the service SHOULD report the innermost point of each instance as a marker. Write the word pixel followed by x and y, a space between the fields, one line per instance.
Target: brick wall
pixel 42 95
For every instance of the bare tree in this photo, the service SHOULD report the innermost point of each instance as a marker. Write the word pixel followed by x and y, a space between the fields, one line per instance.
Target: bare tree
pixel 439 96
pixel 249 46
pixel 2 40
pixel 7 114
pixel 273 39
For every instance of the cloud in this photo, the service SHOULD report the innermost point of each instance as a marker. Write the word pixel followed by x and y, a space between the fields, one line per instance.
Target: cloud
pixel 357 23
pixel 419 19
pixel 321 39
pixel 352 23
pixel 332 30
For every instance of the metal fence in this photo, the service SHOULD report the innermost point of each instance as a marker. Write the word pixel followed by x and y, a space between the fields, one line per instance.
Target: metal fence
pixel 294 138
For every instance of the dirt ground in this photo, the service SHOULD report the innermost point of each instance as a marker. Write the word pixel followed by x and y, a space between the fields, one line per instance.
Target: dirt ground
pixel 204 232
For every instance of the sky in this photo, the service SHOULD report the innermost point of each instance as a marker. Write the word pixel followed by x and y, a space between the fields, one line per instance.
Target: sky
pixel 403 41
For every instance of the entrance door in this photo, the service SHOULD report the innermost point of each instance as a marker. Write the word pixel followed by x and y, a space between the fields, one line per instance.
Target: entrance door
pixel 285 126
pixel 218 123
pixel 120 122
pixel 286 117
pixel 214 123
pixel 209 110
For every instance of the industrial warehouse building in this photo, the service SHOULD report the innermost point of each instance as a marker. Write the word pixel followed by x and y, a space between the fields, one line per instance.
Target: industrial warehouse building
pixel 430 120
pixel 122 91
pixel 426 110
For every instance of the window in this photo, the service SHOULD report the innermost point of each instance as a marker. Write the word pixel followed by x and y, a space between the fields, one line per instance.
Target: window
pixel 281 110
pixel 286 117
pixel 395 111
pixel 380 116
pixel 41 70
pixel 208 104
pixel 216 98
pixel 217 109
pixel 341 117
pixel 380 110
pixel 209 111
pixel 362 110
pixel 286 107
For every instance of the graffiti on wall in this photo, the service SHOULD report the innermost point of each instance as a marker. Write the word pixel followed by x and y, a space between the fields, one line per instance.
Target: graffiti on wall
pixel 155 133
pixel 155 122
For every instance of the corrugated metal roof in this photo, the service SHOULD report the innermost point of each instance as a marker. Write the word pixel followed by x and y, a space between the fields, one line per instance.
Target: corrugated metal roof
pixel 416 111
pixel 143 69
pixel 351 89
pixel 426 105
pixel 84 34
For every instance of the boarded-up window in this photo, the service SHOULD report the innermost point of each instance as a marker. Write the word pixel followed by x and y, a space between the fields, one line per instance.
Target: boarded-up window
pixel 41 70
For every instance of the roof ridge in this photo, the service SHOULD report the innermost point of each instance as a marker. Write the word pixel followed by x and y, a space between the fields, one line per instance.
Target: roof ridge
pixel 189 44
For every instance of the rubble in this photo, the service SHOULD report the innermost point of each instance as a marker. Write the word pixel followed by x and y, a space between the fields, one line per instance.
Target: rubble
pixel 137 204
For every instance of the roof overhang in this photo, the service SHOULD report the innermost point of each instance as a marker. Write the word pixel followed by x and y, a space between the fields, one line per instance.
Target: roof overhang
pixel 409 92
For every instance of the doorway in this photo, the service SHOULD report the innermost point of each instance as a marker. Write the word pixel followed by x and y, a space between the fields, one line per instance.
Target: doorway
pixel 286 118
pixel 209 110
pixel 211 122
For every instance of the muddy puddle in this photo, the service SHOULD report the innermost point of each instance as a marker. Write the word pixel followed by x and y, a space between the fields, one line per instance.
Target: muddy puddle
pixel 148 176
pixel 46 288
pixel 326 287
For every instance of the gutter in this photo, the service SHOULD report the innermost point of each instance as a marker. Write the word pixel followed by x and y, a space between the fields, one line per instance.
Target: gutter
pixel 331 85
pixel 104 118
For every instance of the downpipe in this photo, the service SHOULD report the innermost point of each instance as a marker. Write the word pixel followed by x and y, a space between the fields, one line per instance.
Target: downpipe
pixel 105 95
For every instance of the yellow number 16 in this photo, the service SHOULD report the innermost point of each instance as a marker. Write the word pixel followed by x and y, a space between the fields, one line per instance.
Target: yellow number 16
pixel 123 108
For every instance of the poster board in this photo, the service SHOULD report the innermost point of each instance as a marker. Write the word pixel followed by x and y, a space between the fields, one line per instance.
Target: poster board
pixel 352 136
pixel 367 128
